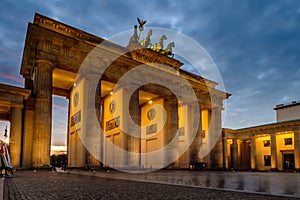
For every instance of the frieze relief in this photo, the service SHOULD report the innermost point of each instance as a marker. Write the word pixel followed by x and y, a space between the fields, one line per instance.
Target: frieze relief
pixel 67 30
pixel 152 58
pixel 68 53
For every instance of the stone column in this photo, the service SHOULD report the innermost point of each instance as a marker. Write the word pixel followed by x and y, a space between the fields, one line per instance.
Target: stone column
pixel 297 149
pixel 42 114
pixel 69 161
pixel 171 107
pixel 194 129
pixel 225 159
pixel 245 155
pixel 273 152
pixel 15 136
pixel 28 120
pixel 102 135
pixel 134 135
pixel 253 153
pixel 240 154
pixel 234 154
pixel 93 135
pixel 216 138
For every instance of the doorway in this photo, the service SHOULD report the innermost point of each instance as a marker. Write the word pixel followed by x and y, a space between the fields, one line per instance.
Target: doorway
pixel 288 161
pixel 113 155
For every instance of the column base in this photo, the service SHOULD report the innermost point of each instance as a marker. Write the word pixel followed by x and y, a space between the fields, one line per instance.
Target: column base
pixel 41 167
pixel 297 170
pixel 274 170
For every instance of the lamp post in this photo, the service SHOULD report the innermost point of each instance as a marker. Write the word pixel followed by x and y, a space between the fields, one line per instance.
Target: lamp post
pixel 5 138
pixel 5 133
pixel 6 161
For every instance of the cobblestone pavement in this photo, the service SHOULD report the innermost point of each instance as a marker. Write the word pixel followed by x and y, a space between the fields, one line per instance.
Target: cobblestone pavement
pixel 275 183
pixel 59 185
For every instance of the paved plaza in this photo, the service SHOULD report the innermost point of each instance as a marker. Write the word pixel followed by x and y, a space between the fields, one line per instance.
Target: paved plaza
pixel 156 185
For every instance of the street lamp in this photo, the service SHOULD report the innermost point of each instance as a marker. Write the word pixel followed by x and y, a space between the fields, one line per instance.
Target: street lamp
pixel 5 137
pixel 5 133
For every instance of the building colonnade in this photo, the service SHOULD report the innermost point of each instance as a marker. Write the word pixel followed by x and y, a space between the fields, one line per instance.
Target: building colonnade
pixel 267 147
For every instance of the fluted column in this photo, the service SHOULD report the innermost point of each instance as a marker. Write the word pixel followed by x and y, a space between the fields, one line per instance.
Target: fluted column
pixel 16 136
pixel 297 149
pixel 273 152
pixel 253 153
pixel 196 129
pixel 93 135
pixel 216 138
pixel 171 107
pixel 225 160
pixel 42 114
pixel 234 148
pixel 134 135
pixel 239 154
pixel 28 127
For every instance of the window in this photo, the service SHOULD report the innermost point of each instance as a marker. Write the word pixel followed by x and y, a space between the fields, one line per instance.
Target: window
pixel 288 141
pixel 267 159
pixel 266 143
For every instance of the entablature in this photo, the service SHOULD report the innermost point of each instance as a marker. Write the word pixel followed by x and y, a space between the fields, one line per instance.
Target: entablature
pixel 274 128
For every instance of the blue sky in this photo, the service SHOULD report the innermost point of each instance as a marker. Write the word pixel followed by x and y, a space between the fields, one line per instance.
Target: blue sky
pixel 255 44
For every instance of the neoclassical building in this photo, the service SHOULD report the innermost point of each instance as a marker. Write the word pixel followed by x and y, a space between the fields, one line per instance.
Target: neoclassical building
pixel 274 146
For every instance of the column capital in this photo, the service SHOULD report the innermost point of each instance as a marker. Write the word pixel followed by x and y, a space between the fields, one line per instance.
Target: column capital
pixel 17 106
pixel 240 141
pixel 234 141
pixel 43 61
pixel 272 133
pixel 217 108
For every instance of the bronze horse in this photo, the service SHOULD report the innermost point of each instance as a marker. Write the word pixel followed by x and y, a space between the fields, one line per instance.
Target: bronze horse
pixel 146 42
pixel 168 50
pixel 160 45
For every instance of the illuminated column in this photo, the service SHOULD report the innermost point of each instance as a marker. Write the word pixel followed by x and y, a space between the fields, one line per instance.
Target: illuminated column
pixel 171 107
pixel 102 135
pixel 134 135
pixel 225 160
pixel 273 151
pixel 92 120
pixel 216 138
pixel 207 142
pixel 15 136
pixel 240 155
pixel 197 130
pixel 253 153
pixel 234 147
pixel 28 120
pixel 42 114
pixel 297 149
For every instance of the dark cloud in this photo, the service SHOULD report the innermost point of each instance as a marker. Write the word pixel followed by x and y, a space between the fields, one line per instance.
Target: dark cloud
pixel 255 44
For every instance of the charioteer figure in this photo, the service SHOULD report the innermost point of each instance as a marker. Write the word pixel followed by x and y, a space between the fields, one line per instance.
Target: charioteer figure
pixel 146 42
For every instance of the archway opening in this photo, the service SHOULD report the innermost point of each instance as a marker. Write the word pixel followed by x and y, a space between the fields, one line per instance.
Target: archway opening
pixel 59 125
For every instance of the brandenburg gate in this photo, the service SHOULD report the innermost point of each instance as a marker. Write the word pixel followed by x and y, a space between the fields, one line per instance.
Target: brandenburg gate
pixel 112 123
